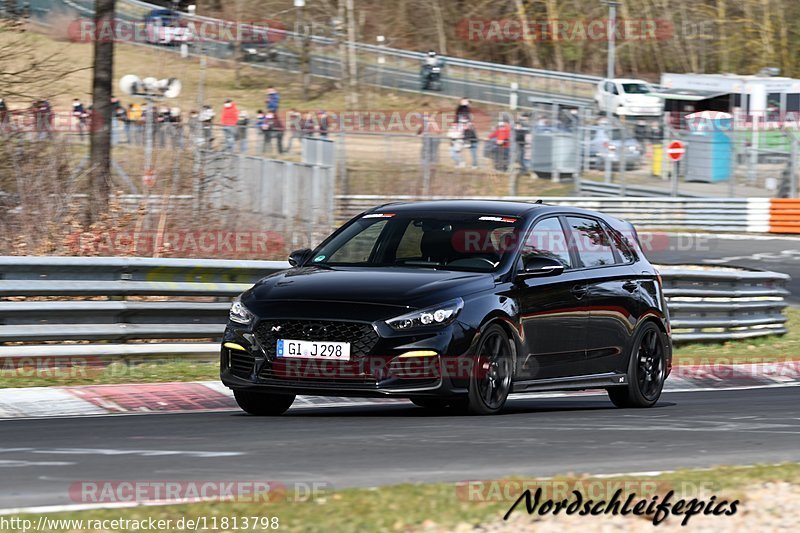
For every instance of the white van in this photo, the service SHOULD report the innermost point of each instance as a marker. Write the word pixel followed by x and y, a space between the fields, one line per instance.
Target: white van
pixel 627 97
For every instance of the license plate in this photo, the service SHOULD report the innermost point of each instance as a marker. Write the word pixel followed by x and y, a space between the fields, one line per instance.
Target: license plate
pixel 338 351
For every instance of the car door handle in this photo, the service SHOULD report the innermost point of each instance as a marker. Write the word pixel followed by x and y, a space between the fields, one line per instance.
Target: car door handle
pixel 630 286
pixel 579 291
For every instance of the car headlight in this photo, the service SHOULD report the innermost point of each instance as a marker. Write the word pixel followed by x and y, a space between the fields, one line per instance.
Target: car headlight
pixel 437 315
pixel 239 313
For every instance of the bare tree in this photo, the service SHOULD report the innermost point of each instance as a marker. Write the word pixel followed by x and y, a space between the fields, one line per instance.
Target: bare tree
pixel 26 73
pixel 100 151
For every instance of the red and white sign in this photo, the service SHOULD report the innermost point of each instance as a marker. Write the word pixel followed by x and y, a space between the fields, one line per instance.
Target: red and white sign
pixel 675 150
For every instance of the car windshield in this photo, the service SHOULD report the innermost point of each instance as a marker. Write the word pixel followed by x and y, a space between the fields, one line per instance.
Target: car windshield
pixel 468 242
pixel 635 88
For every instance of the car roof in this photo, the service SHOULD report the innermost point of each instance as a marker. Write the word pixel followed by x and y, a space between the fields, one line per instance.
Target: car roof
pixel 516 208
pixel 487 207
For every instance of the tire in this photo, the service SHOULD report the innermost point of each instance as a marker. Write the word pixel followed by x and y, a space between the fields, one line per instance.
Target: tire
pixel 646 370
pixel 263 404
pixel 492 374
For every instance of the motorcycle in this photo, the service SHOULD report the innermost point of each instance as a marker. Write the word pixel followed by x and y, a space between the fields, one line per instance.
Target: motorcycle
pixel 432 77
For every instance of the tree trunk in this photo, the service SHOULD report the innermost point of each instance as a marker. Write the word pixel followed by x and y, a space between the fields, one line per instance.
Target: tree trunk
pixel 438 19
pixel 100 150
pixel 529 42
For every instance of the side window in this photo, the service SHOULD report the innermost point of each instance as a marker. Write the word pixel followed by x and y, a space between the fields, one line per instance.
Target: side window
pixel 547 238
pixel 592 243
pixel 409 245
pixel 622 244
pixel 359 248
pixel 614 88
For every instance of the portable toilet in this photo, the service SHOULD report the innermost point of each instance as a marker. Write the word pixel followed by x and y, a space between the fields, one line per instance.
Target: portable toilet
pixel 709 154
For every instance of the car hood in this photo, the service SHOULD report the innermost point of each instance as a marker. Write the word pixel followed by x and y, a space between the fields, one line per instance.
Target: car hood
pixel 405 287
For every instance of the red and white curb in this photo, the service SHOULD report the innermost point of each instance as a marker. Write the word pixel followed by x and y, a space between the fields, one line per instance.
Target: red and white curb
pixel 210 396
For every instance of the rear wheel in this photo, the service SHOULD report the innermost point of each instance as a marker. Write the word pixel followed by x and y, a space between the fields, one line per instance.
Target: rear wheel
pixel 263 404
pixel 492 373
pixel 646 370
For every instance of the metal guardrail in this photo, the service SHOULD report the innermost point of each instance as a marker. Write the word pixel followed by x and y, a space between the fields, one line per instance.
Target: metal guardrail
pixel 721 305
pixel 194 296
pixel 614 190
pixel 712 214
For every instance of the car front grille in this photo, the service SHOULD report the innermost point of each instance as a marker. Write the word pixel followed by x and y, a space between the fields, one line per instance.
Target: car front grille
pixel 241 363
pixel 361 336
pixel 311 372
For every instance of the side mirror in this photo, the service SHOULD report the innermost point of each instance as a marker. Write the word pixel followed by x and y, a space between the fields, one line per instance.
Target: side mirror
pixel 298 257
pixel 540 266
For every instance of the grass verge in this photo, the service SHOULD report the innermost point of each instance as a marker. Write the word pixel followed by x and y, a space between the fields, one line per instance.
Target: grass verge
pixel 446 506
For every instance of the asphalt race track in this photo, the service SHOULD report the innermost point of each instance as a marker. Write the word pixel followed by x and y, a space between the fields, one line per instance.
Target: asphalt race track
pixel 779 254
pixel 394 443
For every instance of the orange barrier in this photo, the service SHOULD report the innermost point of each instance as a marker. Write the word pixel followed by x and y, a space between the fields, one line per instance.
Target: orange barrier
pixel 784 215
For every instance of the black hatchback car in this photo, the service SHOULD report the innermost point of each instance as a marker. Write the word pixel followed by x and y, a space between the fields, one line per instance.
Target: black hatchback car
pixel 455 304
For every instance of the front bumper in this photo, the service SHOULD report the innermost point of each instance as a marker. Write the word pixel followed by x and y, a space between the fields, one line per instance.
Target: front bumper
pixel 400 365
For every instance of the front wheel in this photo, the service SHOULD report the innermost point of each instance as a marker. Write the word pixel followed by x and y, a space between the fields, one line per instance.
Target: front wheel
pixel 263 404
pixel 492 373
pixel 646 370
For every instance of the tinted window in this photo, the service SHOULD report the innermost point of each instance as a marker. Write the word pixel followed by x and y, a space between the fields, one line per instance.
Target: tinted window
pixel 591 241
pixel 547 238
pixel 635 88
pixel 455 241
pixel 623 245
pixel 359 247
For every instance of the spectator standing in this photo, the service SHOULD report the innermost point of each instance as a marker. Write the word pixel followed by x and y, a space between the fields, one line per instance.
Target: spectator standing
pixel 228 119
pixel 471 142
pixel 134 122
pixel 262 127
pixel 322 118
pixel 241 132
pixel 79 115
pixel 118 119
pixel 195 129
pixel 176 127
pixel 273 100
pixel 294 121
pixel 522 136
pixel 207 125
pixel 501 137
pixel 307 126
pixel 162 126
pixel 463 111
pixel 430 140
pixel 4 120
pixel 456 136
pixel 278 130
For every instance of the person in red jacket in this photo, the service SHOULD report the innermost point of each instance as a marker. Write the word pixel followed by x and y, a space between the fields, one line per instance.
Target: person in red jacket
pixel 228 119
pixel 501 137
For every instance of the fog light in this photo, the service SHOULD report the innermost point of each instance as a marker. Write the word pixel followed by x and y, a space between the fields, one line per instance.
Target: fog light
pixel 418 353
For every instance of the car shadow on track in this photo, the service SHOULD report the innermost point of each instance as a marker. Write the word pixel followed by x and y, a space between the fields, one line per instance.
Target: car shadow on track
pixel 515 407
